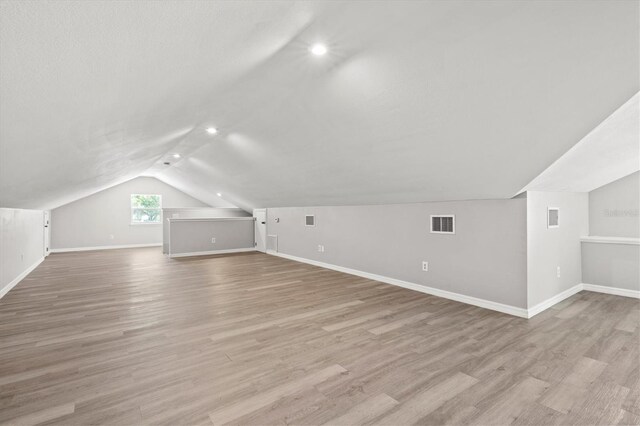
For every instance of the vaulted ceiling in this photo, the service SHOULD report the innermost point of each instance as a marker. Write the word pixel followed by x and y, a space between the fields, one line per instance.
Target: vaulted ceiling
pixel 610 152
pixel 415 101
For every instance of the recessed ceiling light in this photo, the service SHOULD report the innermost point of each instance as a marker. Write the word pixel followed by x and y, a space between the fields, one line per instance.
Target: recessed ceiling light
pixel 218 194
pixel 176 155
pixel 318 49
pixel 212 130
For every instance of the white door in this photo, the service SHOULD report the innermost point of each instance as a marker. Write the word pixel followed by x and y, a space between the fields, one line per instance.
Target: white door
pixel 260 216
pixel 47 233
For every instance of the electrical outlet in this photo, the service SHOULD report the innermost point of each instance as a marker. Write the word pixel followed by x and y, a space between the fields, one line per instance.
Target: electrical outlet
pixel 111 236
pixel 320 248
pixel 213 240
pixel 425 266
pixel 558 272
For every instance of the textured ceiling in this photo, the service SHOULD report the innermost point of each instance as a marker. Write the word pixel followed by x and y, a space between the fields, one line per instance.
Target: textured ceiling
pixel 610 152
pixel 415 101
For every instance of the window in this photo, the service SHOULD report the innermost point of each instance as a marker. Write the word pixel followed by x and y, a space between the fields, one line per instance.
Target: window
pixel 146 208
pixel 310 220
pixel 443 224
pixel 553 217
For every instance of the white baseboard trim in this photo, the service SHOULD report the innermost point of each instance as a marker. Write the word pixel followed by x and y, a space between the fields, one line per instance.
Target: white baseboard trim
pixel 482 303
pixel 206 253
pixel 543 306
pixel 125 246
pixel 19 278
pixel 611 290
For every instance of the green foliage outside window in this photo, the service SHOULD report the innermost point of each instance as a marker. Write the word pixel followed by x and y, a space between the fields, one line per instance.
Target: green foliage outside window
pixel 146 208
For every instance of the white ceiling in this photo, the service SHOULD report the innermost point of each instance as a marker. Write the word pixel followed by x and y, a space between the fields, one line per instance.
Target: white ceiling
pixel 415 101
pixel 610 152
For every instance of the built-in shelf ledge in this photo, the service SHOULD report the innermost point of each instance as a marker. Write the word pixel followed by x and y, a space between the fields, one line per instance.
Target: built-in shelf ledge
pixel 207 219
pixel 611 240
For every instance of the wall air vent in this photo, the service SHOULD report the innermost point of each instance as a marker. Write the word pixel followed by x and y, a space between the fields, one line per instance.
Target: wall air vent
pixel 443 224
pixel 310 220
pixel 553 217
pixel 272 243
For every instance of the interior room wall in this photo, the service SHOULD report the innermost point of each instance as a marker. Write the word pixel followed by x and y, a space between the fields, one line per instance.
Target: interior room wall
pixel 485 258
pixel 21 245
pixel 551 248
pixel 195 212
pixel 104 219
pixel 616 266
pixel 614 212
pixel 211 235
pixel 614 208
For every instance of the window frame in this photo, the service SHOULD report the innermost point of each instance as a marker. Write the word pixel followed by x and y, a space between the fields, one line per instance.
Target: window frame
pixel 453 223
pixel 131 209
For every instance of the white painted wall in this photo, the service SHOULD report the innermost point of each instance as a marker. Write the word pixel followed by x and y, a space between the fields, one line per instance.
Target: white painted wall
pixel 93 221
pixel 548 249
pixel 614 208
pixel 21 245
pixel 611 265
pixel 210 235
pixel 195 212
pixel 613 212
pixel 485 259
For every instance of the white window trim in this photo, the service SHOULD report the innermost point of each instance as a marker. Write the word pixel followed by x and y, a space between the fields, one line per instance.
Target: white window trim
pixel 314 220
pixel 132 223
pixel 549 226
pixel 453 228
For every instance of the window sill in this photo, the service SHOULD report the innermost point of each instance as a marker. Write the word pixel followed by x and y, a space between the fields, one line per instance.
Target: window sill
pixel 145 224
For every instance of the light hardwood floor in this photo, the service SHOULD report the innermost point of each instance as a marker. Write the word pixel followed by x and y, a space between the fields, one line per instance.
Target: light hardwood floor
pixel 131 337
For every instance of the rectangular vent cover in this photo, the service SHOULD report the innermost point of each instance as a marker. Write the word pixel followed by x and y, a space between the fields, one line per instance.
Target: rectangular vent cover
pixel 443 224
pixel 310 220
pixel 553 217
pixel 272 243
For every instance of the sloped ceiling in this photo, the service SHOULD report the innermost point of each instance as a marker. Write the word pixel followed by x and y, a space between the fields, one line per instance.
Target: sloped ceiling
pixel 608 153
pixel 415 101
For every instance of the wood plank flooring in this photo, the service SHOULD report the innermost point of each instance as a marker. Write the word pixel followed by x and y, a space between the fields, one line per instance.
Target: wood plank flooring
pixel 129 337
